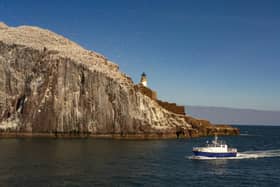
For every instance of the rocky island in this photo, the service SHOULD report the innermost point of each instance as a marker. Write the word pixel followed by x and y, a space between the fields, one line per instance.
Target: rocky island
pixel 50 86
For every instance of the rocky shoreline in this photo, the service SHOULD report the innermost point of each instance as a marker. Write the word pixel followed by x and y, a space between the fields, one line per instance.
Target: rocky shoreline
pixel 145 136
pixel 220 130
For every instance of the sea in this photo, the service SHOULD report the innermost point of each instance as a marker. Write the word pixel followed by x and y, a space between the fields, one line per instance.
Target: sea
pixel 106 162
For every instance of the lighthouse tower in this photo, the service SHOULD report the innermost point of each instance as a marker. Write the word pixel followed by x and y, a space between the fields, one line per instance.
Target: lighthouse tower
pixel 143 80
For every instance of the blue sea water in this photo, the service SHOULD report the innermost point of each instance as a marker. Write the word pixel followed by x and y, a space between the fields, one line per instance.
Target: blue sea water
pixel 96 162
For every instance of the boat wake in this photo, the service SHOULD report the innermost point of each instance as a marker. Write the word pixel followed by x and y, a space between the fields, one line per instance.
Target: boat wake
pixel 243 155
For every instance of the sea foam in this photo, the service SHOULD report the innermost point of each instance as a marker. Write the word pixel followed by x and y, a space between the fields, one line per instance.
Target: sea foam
pixel 243 155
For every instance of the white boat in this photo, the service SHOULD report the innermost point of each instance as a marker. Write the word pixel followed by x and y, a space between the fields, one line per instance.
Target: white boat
pixel 216 148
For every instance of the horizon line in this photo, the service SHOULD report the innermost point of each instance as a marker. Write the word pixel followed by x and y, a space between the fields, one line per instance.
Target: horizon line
pixel 235 108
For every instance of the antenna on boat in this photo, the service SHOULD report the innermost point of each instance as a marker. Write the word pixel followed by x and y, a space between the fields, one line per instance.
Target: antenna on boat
pixel 215 141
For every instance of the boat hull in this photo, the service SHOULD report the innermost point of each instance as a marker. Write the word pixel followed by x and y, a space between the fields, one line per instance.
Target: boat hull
pixel 211 154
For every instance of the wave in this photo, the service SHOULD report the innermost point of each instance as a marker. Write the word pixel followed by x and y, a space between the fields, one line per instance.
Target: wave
pixel 245 134
pixel 244 155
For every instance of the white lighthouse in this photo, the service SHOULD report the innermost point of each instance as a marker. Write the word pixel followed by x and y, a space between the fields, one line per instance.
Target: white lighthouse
pixel 144 80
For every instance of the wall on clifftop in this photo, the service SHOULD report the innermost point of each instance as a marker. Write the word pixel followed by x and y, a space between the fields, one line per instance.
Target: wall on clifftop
pixel 171 107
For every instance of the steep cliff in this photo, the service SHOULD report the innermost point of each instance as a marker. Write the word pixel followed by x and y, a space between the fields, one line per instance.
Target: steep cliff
pixel 51 86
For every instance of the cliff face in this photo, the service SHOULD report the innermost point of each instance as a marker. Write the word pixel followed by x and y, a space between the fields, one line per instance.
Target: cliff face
pixel 50 85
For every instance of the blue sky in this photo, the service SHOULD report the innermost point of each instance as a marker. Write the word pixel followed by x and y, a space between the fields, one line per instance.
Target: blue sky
pixel 213 53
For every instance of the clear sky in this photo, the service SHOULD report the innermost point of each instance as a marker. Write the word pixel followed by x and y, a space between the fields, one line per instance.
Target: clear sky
pixel 194 52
